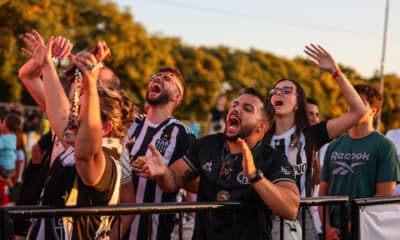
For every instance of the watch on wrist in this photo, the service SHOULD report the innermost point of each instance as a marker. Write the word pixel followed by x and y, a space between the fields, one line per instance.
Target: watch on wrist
pixel 259 175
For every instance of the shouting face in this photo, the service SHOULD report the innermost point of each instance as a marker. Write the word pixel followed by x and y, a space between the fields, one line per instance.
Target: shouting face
pixel 243 117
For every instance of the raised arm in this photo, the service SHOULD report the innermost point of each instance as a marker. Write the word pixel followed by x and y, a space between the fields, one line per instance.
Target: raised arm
pixel 57 103
pixel 170 179
pixel 282 198
pixel 30 73
pixel 322 59
pixel 89 157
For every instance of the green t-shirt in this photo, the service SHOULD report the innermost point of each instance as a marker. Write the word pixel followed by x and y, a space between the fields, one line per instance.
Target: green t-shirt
pixel 353 167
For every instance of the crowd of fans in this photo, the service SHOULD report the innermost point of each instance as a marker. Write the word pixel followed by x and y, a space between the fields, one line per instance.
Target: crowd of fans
pixel 262 151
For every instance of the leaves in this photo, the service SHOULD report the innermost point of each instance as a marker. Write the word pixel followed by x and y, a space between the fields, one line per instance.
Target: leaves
pixel 136 54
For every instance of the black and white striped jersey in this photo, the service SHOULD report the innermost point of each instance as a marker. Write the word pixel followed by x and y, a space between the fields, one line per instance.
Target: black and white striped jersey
pixel 171 138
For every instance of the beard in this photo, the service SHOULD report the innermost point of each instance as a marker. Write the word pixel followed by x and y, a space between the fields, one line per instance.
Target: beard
pixel 162 99
pixel 244 132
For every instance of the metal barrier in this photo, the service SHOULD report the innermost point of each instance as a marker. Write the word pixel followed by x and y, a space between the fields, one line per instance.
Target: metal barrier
pixel 7 213
pixel 306 203
pixel 358 204
pixel 342 201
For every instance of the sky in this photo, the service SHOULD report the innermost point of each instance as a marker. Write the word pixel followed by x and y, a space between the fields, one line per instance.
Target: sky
pixel 351 30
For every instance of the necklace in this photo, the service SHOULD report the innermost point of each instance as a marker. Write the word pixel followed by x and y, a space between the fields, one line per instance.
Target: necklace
pixel 227 161
pixel 72 126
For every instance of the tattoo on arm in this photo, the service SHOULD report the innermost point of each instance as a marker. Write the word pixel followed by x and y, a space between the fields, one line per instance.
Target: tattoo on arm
pixel 188 176
pixel 172 177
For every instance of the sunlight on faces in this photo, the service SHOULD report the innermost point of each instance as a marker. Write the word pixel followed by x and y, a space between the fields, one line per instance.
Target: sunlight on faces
pixel 284 97
pixel 159 92
pixel 243 117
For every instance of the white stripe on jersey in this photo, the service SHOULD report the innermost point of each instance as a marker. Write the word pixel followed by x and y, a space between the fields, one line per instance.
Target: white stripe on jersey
pixel 140 192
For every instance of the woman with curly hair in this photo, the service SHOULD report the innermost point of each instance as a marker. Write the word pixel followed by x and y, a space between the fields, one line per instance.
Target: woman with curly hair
pixel 87 173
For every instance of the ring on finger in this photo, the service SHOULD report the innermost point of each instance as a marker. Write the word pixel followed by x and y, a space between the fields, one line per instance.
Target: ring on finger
pixel 89 67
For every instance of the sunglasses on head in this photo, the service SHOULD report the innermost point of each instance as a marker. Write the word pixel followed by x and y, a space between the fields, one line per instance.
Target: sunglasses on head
pixel 283 91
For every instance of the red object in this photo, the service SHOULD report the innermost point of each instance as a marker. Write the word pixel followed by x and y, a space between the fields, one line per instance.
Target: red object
pixel 3 194
pixel 336 73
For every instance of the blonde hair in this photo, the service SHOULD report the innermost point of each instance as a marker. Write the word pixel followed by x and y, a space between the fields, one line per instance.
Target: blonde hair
pixel 118 109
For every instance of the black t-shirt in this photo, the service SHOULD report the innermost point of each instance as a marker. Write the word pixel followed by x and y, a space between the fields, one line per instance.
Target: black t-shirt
pixel 217 115
pixel 253 219
pixel 46 141
pixel 57 189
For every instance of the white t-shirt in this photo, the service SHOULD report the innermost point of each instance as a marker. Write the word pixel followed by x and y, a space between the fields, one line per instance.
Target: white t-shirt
pixel 394 135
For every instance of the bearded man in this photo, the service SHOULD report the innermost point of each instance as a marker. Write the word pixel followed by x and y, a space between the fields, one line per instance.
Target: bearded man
pixel 236 166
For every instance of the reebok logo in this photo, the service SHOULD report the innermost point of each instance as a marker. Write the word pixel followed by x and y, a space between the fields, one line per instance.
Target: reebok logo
pixel 337 156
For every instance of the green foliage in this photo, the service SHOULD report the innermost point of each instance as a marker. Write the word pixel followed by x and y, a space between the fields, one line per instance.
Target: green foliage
pixel 136 54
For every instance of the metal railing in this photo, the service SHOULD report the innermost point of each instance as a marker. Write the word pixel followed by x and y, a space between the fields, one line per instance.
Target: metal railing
pixel 357 205
pixel 305 205
pixel 8 213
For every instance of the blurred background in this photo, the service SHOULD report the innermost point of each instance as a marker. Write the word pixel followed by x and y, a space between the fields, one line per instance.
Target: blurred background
pixel 219 46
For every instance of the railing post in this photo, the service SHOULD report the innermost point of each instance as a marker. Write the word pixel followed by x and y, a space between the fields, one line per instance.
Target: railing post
pixel 180 225
pixel 344 221
pixel 209 228
pixel 119 227
pixel 234 226
pixel 355 221
pixel 2 225
pixel 303 223
pixel 150 226
pixel 324 221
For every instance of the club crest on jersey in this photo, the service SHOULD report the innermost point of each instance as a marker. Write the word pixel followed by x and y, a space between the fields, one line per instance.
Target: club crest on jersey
pixel 162 143
pixel 207 166
pixel 285 171
pixel 241 178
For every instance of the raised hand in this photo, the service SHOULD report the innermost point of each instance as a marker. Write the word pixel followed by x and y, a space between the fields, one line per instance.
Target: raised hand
pixel 102 51
pixel 61 48
pixel 89 66
pixel 150 166
pixel 321 58
pixel 248 162
pixel 37 49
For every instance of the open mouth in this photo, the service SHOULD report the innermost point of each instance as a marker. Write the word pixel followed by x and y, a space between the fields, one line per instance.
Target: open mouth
pixel 278 103
pixel 156 88
pixel 234 122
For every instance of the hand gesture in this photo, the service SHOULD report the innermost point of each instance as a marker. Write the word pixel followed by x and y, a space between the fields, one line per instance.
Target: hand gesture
pixel 102 51
pixel 39 51
pixel 150 166
pixel 89 67
pixel 248 162
pixel 61 48
pixel 321 58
